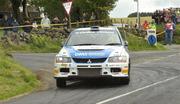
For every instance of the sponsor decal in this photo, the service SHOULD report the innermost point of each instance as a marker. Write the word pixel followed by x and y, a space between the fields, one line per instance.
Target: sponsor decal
pixel 89 54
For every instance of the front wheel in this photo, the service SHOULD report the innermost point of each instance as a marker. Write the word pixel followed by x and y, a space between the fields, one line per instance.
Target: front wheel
pixel 126 80
pixel 60 83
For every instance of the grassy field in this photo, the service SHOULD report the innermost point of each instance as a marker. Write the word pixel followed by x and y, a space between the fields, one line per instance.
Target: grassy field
pixel 14 79
pixel 130 20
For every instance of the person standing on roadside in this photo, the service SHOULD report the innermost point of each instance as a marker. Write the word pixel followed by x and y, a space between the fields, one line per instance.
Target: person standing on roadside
pixel 152 25
pixel 169 28
pixel 56 21
pixel 45 22
pixel 145 25
pixel 65 22
pixel 5 24
pixel 173 17
pixel 15 36
pixel 28 27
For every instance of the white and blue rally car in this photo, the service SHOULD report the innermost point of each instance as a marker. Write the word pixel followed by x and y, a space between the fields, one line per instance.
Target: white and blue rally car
pixel 95 52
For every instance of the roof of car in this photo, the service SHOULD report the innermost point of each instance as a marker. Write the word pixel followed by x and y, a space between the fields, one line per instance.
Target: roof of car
pixel 95 27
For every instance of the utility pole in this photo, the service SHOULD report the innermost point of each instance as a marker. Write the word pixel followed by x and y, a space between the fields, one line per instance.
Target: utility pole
pixel 138 15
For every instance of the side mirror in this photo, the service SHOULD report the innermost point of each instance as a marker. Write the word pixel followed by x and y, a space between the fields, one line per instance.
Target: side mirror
pixel 126 43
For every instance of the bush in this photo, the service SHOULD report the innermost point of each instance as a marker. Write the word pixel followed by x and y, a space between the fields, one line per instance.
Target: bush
pixel 45 44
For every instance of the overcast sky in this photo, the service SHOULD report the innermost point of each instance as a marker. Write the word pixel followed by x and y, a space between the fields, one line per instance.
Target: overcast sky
pixel 125 7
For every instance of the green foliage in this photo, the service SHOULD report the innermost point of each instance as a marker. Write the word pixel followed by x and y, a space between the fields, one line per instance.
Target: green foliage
pixel 143 14
pixel 52 7
pixel 3 2
pixel 177 34
pixel 45 44
pixel 100 7
pixel 14 79
pixel 41 44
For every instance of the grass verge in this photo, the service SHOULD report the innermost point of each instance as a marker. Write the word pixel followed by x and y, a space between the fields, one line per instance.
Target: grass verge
pixel 44 44
pixel 14 79
pixel 38 44
pixel 140 44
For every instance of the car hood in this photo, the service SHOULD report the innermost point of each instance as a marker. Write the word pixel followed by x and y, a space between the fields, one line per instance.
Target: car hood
pixel 93 51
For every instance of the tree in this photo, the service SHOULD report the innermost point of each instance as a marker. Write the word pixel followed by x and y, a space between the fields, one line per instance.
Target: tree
pixel 25 12
pixel 101 8
pixel 143 14
pixel 4 5
pixel 52 7
pixel 15 6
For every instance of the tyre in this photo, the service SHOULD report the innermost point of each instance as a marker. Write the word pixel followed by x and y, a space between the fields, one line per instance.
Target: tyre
pixel 60 83
pixel 126 80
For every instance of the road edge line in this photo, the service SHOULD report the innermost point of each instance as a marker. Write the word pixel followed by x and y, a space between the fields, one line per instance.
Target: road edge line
pixel 137 90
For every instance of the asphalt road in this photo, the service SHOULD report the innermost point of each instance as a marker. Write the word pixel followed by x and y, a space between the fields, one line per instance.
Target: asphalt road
pixel 155 79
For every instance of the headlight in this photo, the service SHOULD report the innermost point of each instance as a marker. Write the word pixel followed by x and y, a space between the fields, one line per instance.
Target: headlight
pixel 63 59
pixel 118 59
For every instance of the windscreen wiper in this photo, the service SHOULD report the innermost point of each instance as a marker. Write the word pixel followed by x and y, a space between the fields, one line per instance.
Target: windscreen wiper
pixel 84 44
pixel 114 44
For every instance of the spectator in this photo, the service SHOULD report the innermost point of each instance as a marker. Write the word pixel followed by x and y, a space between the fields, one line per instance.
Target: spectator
pixel 56 20
pixel 136 27
pixel 169 27
pixel 27 27
pixel 65 22
pixel 152 25
pixel 1 20
pixel 167 15
pixel 93 17
pixel 174 20
pixel 164 15
pixel 155 17
pixel 15 24
pixel 145 25
pixel 34 25
pixel 15 34
pixel 84 17
pixel 5 24
pixel 45 22
pixel 10 20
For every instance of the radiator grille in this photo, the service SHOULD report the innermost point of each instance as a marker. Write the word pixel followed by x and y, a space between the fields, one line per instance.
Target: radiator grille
pixel 100 60
pixel 89 72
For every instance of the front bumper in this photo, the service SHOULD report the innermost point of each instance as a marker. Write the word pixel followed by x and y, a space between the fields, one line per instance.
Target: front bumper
pixel 83 71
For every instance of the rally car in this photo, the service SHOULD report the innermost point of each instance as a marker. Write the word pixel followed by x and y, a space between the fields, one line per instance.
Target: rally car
pixel 94 52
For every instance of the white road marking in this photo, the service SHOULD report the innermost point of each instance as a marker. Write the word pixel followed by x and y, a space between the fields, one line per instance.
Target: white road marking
pixel 137 90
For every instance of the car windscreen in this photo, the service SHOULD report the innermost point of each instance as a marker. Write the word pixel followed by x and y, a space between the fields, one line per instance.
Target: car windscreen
pixel 94 38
